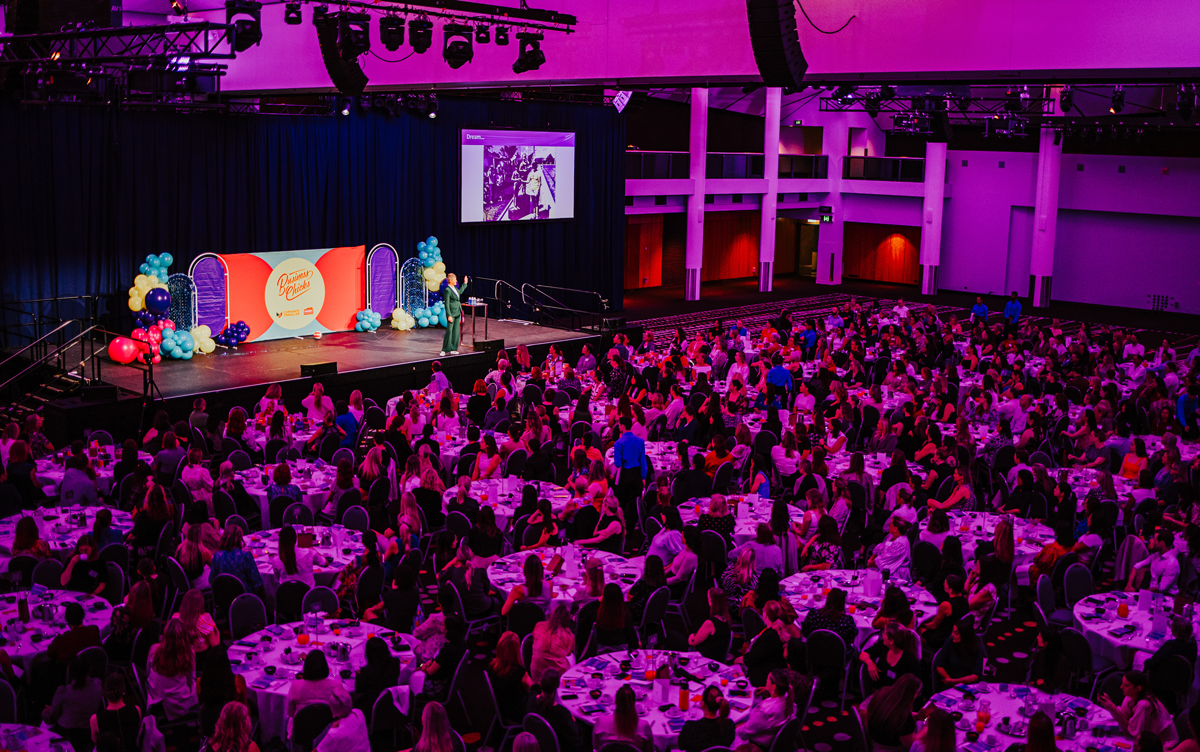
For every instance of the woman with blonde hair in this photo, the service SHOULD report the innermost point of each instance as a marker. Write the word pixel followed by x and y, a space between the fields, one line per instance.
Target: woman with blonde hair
pixel 553 641
pixel 623 725
pixel 172 671
pixel 523 360
pixel 232 732
pixel 741 576
pixel 436 733
pixel 355 405
pixel 413 423
pixel 718 519
pixel 197 621
pixel 193 556
pixel 371 468
pixel 408 522
pixel 197 478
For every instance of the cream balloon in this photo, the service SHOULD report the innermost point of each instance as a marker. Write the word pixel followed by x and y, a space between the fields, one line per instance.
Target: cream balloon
pixel 432 285
pixel 208 346
pixel 440 267
pixel 135 304
pixel 428 274
pixel 141 280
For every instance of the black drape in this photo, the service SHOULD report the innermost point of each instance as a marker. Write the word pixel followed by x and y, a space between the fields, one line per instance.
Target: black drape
pixel 87 193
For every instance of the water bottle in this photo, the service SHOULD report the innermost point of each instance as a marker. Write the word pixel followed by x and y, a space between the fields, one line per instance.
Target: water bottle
pixel 1068 727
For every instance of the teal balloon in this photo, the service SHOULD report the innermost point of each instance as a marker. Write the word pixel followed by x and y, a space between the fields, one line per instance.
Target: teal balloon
pixel 421 246
pixel 442 319
pixel 431 241
pixel 152 259
pixel 423 321
pixel 165 259
pixel 144 269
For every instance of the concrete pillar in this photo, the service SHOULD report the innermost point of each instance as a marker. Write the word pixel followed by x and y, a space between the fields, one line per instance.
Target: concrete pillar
pixel 931 216
pixel 836 143
pixel 698 153
pixel 766 238
pixel 1045 215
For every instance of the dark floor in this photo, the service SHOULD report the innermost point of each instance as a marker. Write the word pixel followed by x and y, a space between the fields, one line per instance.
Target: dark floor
pixel 655 302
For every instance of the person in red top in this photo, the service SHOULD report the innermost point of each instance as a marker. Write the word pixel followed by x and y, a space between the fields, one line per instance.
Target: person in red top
pixel 67 645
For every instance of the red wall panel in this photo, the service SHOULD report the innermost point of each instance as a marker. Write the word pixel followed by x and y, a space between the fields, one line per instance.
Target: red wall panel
pixel 731 244
pixel 884 253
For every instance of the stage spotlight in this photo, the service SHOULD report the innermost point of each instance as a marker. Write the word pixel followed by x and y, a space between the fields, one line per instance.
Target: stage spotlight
pixel 343 105
pixel 501 35
pixel 319 11
pixel 483 34
pixel 420 34
pixel 433 107
pixel 1118 101
pixel 456 45
pixel 245 15
pixel 291 14
pixel 963 104
pixel 1066 100
pixel 1186 102
pixel 844 92
pixel 531 56
pixel 354 34
pixel 391 32
pixel 1012 101
pixel 1024 95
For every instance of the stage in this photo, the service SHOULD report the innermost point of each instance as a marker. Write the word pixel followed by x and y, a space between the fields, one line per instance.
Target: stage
pixel 381 364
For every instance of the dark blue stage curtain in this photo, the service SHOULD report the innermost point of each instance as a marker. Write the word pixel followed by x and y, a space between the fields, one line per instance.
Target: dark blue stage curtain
pixel 87 193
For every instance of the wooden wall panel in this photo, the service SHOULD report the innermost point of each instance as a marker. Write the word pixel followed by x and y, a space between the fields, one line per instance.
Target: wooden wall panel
pixel 883 253
pixel 674 249
pixel 643 250
pixel 787 245
pixel 731 245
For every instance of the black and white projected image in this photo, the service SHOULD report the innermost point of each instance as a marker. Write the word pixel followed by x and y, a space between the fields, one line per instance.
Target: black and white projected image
pixel 519 182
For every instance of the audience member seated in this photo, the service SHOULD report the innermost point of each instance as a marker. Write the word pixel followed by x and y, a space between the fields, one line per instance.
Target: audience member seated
pixel 316 686
pixel 714 729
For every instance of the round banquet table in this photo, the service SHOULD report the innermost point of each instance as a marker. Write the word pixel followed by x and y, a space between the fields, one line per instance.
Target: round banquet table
pixel 257 440
pixel 873 462
pixel 806 590
pixel 268 647
pixel 973 528
pixel 24 647
pixel 604 673
pixel 1112 637
pixel 505 573
pixel 16 737
pixel 1007 703
pixel 51 473
pixel 54 527
pixel 661 454
pixel 503 495
pixel 346 544
pixel 751 511
pixel 1083 480
pixel 311 478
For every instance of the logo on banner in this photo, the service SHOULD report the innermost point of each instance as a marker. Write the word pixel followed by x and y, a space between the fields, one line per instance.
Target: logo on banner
pixel 295 293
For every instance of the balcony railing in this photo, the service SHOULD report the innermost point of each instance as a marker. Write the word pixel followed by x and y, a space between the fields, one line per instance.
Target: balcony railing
pixel 804 166
pixel 894 169
pixel 667 165
pixel 656 165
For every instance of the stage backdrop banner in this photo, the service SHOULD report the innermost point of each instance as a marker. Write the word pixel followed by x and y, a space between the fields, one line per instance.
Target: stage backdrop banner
pixel 289 293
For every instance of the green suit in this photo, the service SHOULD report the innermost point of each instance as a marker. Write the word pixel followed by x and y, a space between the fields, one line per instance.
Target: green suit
pixel 453 311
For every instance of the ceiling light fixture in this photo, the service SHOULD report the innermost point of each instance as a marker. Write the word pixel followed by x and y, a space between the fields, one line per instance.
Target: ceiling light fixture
pixel 457 49
pixel 246 18
pixel 291 14
pixel 391 32
pixel 483 34
pixel 354 34
pixel 1066 100
pixel 501 35
pixel 420 34
pixel 1118 100
pixel 531 56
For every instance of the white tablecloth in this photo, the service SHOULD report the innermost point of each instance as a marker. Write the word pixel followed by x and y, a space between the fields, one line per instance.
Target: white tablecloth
pixel 973 528
pixel 270 692
pixel 346 544
pixel 1120 648
pixel 806 590
pixel 24 647
pixel 506 573
pixel 50 473
pixel 56 528
pixel 749 514
pixel 1006 701
pixel 313 480
pixel 604 673
pixel 32 739
pixel 504 496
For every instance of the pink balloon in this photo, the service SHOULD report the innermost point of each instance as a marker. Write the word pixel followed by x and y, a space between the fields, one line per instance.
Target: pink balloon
pixel 123 350
pixel 155 330
pixel 167 324
pixel 141 335
pixel 157 358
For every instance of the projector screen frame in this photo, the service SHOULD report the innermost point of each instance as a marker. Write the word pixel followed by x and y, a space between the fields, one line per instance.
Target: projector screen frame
pixel 516 222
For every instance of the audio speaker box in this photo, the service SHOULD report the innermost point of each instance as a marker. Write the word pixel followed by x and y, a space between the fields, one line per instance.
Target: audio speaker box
pixel 489 345
pixel 101 393
pixel 345 74
pixel 776 43
pixel 318 369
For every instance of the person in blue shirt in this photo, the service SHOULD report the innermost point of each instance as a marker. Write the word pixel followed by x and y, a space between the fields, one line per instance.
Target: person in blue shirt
pixel 629 457
pixel 979 311
pixel 779 375
pixel 1185 410
pixel 345 420
pixel 1012 312
pixel 835 321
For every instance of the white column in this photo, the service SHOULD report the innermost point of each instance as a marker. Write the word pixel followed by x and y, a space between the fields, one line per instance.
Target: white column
pixel 766 237
pixel 931 216
pixel 698 152
pixel 1045 215
pixel 836 142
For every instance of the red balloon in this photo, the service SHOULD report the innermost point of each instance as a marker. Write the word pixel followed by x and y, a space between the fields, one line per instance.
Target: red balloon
pixel 157 358
pixel 167 324
pixel 155 330
pixel 123 350
pixel 141 335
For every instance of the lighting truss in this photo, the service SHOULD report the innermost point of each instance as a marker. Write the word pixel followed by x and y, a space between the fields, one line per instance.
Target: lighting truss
pixel 128 45
pixel 906 108
pixel 460 11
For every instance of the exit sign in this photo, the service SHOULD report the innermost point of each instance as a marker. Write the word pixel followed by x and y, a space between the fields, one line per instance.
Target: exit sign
pixel 826 218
